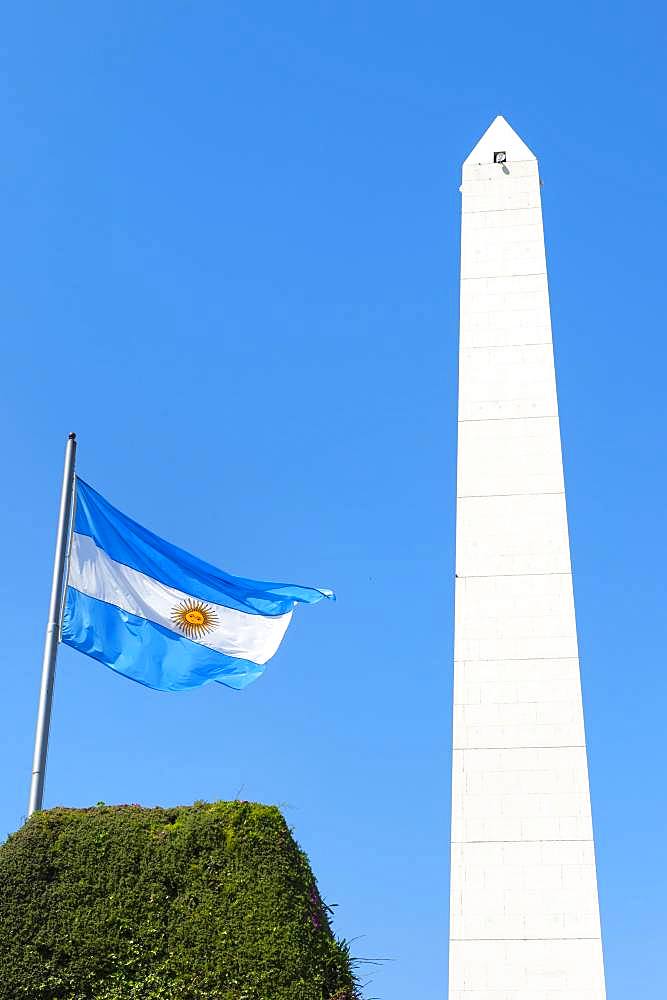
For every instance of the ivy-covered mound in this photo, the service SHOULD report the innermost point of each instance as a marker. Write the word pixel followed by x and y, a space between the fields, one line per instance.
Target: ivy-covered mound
pixel 208 902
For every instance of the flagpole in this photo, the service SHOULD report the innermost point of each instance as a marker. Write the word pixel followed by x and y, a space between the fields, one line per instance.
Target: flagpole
pixel 52 631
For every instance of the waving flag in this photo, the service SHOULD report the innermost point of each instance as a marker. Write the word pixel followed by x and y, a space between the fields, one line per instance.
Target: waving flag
pixel 159 615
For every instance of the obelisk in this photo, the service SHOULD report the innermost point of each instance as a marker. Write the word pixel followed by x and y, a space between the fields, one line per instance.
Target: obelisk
pixel 524 904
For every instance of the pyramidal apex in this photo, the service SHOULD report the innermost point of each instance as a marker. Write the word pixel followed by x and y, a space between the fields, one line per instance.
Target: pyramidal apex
pixel 499 137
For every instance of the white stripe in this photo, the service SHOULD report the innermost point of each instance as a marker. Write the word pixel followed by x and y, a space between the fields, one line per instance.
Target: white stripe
pixel 247 636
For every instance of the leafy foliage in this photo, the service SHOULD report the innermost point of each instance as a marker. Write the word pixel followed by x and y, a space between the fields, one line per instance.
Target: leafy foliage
pixel 208 902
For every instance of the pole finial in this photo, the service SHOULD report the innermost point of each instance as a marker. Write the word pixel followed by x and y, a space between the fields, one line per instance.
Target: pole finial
pixel 72 436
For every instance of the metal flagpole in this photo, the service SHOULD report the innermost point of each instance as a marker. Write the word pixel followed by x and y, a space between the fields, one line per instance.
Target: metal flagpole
pixel 52 631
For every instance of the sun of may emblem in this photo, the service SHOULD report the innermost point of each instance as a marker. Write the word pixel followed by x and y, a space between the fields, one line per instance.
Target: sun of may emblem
pixel 194 618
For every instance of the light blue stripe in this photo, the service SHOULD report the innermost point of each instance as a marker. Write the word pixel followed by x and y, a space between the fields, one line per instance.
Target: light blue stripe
pixel 147 653
pixel 129 543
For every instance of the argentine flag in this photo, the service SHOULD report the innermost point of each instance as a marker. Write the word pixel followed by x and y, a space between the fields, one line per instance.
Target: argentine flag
pixel 160 616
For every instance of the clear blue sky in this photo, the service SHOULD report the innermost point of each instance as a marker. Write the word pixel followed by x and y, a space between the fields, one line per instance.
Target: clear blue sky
pixel 229 261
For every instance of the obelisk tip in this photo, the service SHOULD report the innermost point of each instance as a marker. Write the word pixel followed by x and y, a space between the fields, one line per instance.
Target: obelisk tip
pixel 499 138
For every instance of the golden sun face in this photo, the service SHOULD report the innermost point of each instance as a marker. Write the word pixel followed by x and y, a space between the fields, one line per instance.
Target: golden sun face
pixel 194 618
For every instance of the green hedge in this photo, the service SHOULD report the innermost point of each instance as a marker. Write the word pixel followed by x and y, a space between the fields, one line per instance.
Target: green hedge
pixel 193 903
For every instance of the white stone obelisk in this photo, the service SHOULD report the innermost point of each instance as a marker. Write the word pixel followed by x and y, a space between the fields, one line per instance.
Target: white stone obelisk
pixel 524 905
